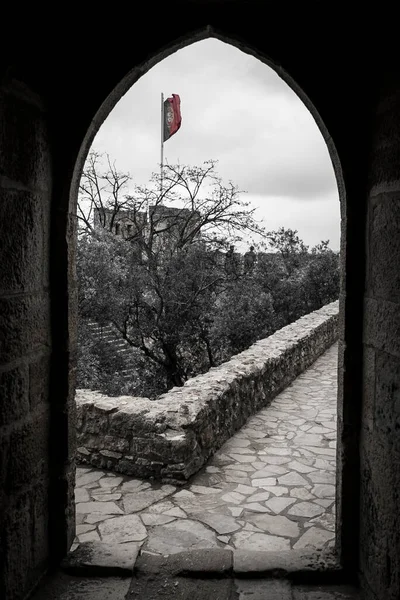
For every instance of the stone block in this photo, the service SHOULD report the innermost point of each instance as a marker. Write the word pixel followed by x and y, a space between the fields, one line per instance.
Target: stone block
pixel 104 560
pixel 23 122
pixel 14 402
pixel 24 326
pixel 382 325
pixel 384 248
pixel 22 255
pixel 285 564
pixel 39 374
pixel 212 561
pixel 28 451
pixel 263 589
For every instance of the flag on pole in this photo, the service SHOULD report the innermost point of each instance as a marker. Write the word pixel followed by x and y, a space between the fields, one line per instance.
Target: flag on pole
pixel 172 116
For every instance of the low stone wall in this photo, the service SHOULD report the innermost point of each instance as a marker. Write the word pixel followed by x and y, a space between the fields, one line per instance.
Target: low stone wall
pixel 171 438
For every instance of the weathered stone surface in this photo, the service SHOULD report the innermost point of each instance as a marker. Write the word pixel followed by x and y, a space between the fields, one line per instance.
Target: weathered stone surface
pixel 109 508
pixel 276 525
pixel 314 538
pixel 179 536
pixel 220 523
pixel 260 542
pixel 128 528
pixel 141 500
pixel 94 558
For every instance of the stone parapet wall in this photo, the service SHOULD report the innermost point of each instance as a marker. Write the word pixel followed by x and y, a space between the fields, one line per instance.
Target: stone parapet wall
pixel 171 438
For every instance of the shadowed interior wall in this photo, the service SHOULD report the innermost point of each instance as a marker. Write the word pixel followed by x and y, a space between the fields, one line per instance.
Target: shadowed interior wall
pixel 380 441
pixel 25 339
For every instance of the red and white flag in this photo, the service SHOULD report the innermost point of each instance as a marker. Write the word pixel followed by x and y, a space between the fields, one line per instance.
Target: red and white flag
pixel 172 116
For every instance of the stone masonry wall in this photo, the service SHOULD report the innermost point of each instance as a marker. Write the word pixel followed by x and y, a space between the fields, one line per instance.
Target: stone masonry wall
pixel 172 437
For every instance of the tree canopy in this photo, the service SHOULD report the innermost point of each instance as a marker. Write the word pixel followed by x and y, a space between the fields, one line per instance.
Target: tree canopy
pixel 160 265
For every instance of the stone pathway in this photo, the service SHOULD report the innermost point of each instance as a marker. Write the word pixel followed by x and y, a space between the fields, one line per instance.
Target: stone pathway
pixel 271 487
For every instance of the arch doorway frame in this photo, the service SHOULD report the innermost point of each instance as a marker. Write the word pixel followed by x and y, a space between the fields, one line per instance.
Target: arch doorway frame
pixel 349 368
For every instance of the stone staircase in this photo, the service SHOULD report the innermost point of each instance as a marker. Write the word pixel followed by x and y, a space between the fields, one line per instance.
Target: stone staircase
pixel 109 335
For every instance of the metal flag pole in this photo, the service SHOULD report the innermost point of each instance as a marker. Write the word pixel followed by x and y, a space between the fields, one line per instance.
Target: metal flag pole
pixel 162 142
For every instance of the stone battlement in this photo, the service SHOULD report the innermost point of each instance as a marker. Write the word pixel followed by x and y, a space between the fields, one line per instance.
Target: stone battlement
pixel 170 439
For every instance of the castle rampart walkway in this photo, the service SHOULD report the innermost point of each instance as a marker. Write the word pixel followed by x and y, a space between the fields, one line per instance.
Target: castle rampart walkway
pixel 270 487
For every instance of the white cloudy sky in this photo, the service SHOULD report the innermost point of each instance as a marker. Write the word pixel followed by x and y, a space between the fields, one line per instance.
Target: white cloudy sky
pixel 238 111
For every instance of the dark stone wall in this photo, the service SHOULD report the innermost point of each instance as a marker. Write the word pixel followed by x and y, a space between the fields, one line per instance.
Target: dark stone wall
pixel 25 337
pixel 380 434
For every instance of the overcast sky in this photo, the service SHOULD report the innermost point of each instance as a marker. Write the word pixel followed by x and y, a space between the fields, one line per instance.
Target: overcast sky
pixel 238 111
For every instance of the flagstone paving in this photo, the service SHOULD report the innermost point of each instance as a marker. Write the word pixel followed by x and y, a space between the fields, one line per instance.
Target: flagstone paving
pixel 270 487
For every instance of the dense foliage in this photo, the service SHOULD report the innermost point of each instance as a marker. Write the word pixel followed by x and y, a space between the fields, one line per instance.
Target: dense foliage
pixel 169 285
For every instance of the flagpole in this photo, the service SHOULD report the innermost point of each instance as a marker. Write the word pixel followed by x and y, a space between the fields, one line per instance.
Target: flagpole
pixel 162 141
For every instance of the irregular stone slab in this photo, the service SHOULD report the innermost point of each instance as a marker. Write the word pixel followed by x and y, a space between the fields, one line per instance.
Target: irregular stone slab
pixel 261 542
pixel 235 479
pixel 119 530
pixel 238 468
pixel 202 489
pixel 84 528
pixel 106 497
pixel 314 538
pixel 183 494
pixel 98 558
pixel 161 507
pixel 97 518
pixel 325 502
pixel 91 536
pixel 259 497
pixel 292 479
pixel 306 509
pixel 140 500
pixel 81 495
pixel 175 512
pixel 109 508
pixel 319 477
pixel 110 482
pixel 278 504
pixel 270 470
pixel 295 465
pixel 91 477
pixel 223 538
pixel 321 463
pixel 236 511
pixel 237 450
pixel 242 458
pixel 220 523
pixel 301 493
pixel 244 489
pixel 233 498
pixel 151 519
pixel 276 525
pixel 330 452
pixel 324 491
pixel 256 507
pixel 179 536
pixel 263 482
pixel 277 490
pixel 134 485
pixel 275 460
pixel 325 521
